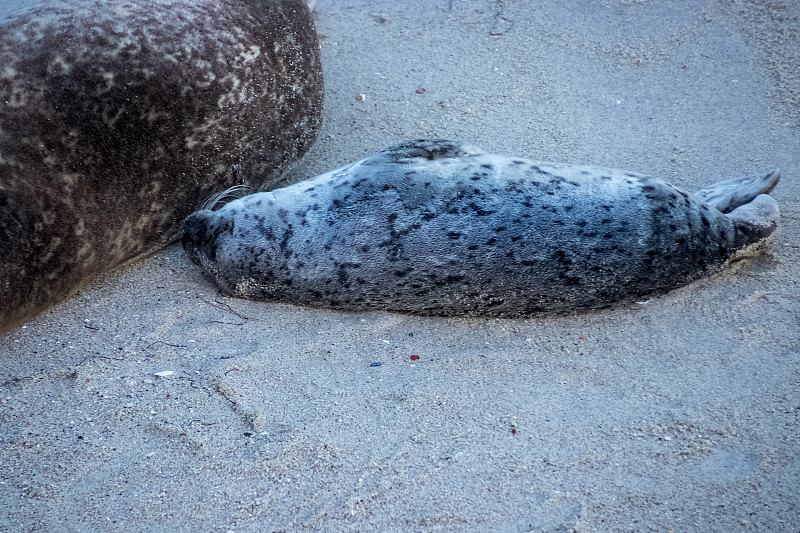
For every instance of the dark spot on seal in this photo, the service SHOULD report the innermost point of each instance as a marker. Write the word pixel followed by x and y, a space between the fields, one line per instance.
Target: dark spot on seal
pixel 561 257
pixel 403 273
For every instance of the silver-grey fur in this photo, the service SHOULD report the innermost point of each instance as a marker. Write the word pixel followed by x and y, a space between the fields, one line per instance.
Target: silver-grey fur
pixel 440 228
pixel 118 117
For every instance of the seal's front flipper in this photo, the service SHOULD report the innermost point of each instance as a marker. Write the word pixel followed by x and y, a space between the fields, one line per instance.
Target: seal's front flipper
pixel 729 194
pixel 430 149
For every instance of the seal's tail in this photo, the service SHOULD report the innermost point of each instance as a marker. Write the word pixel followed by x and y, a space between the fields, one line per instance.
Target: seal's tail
pixel 729 194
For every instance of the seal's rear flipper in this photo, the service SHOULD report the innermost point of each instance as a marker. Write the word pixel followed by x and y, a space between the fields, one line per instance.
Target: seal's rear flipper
pixel 755 220
pixel 729 194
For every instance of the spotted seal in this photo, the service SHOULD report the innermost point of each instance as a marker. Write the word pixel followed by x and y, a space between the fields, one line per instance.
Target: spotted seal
pixel 119 117
pixel 440 228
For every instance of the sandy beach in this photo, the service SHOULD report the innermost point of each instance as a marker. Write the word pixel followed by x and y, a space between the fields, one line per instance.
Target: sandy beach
pixel 149 402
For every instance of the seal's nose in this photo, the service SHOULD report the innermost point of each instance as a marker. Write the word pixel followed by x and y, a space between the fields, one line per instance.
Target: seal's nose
pixel 195 228
pixel 200 232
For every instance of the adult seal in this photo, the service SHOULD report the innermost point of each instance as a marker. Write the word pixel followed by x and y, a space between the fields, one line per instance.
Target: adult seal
pixel 117 118
pixel 440 228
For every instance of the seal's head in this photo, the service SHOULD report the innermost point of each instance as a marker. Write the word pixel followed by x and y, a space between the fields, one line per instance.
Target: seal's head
pixel 200 232
pixel 202 228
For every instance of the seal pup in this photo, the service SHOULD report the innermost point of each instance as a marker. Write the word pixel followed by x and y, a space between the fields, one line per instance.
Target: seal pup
pixel 119 117
pixel 437 227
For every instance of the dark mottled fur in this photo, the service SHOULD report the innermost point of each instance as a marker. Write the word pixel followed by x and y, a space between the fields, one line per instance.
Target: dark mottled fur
pixel 434 227
pixel 118 118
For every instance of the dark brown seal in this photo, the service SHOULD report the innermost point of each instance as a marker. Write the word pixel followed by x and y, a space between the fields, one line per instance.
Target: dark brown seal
pixel 119 117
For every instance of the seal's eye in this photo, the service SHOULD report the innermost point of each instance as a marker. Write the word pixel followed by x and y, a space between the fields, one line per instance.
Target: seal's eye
pixel 218 227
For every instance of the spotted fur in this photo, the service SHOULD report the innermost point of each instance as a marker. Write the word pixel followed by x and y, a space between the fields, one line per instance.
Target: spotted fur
pixel 440 228
pixel 119 117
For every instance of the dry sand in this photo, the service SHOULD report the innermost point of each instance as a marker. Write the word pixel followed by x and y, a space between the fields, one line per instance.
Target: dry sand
pixel 681 413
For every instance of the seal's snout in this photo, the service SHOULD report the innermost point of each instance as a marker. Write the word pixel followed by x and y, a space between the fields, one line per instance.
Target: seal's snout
pixel 195 228
pixel 200 231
